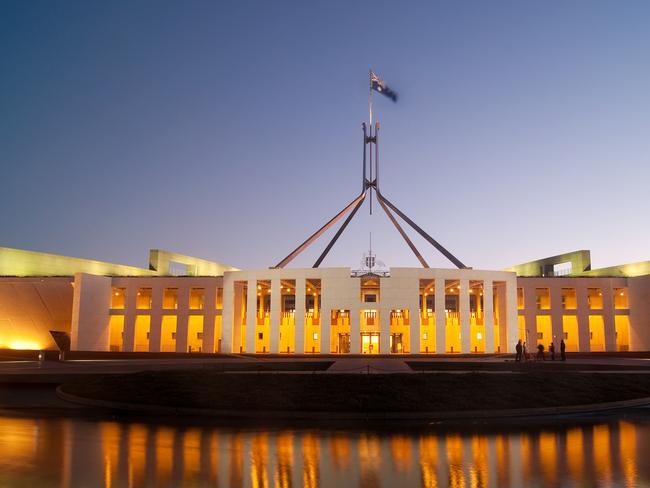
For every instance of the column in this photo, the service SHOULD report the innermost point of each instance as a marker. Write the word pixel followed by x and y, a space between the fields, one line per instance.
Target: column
pixel 326 319
pixel 355 330
pixel 251 315
pixel 209 311
pixel 608 317
pixel 181 321
pixel 488 315
pixel 156 319
pixel 465 330
pixel 530 317
pixel 441 319
pixel 275 316
pixel 556 317
pixel 414 324
pixel 238 305
pixel 300 316
pixel 509 340
pixel 227 315
pixel 128 338
pixel 155 331
pixel 384 330
pixel 582 312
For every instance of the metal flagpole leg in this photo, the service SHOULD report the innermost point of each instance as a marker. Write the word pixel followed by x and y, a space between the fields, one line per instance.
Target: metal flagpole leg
pixel 417 228
pixel 338 233
pixel 319 232
pixel 403 234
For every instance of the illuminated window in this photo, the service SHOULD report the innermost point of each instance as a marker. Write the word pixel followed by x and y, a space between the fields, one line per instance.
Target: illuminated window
pixel 117 297
pixel 197 296
pixel 595 298
pixel 219 300
pixel 170 298
pixel 143 299
pixel 569 298
pixel 543 298
pixel 620 298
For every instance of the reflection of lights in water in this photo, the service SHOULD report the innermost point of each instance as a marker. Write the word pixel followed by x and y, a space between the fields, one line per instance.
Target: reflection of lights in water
pixel 112 454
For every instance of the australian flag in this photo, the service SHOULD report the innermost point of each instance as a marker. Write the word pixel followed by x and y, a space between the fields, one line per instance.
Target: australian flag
pixel 377 84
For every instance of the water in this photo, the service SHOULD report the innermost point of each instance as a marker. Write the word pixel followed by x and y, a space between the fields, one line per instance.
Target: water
pixel 59 452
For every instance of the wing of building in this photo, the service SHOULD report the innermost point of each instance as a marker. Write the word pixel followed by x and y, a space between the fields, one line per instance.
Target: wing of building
pixel 185 304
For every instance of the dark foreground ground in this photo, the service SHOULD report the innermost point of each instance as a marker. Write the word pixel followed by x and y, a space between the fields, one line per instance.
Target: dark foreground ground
pixel 426 392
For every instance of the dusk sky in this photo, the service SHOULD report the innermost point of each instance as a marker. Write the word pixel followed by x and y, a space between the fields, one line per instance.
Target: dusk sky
pixel 231 130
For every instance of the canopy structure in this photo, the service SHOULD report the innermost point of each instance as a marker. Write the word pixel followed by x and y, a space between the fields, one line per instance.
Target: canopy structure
pixel 370 184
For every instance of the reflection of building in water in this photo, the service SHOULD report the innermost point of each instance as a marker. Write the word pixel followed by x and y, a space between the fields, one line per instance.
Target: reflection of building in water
pixel 284 452
pixel 310 460
pixel 340 451
pixel 70 454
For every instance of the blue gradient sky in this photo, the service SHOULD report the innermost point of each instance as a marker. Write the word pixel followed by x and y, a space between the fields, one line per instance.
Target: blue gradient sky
pixel 231 130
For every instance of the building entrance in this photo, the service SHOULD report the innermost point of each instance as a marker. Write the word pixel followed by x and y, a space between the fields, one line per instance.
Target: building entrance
pixel 370 342
pixel 344 343
pixel 396 345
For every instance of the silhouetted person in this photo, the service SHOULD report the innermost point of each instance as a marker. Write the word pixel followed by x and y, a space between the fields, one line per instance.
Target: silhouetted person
pixel 551 349
pixel 518 349
pixel 562 350
pixel 540 352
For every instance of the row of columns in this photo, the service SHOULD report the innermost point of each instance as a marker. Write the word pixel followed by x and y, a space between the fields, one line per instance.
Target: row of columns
pixel 582 313
pixel 182 315
pixel 232 311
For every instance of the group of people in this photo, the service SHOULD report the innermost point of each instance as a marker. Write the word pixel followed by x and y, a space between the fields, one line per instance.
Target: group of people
pixel 522 353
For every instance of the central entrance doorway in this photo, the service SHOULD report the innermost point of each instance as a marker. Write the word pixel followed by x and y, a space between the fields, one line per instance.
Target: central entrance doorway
pixel 370 342
pixel 396 346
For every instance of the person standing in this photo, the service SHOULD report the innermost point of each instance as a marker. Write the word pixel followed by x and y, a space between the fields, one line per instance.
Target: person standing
pixel 540 352
pixel 562 350
pixel 551 349
pixel 518 349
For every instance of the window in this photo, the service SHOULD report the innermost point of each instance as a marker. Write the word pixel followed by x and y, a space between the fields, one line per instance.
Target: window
pixel 219 301
pixel 170 298
pixel 143 299
pixel 260 335
pixel 543 298
pixel 620 298
pixel 569 298
pixel 118 297
pixel 520 298
pixel 595 298
pixel 197 296
pixel 370 298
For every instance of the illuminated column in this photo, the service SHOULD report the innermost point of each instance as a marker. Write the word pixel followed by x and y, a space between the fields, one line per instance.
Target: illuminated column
pixel 154 331
pixel 227 315
pixel 608 317
pixel 275 315
pixel 511 314
pixel 325 318
pixel 181 321
pixel 300 316
pixel 584 344
pixel 441 318
pixel 209 307
pixel 128 337
pixel 384 330
pixel 488 314
pixel 465 330
pixel 556 318
pixel 355 329
pixel 251 314
pixel 414 322
pixel 530 316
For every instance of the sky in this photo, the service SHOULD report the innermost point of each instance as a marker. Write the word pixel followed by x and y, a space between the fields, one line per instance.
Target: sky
pixel 232 130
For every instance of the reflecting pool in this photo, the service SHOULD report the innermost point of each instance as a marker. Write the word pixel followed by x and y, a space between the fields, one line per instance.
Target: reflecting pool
pixel 55 452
